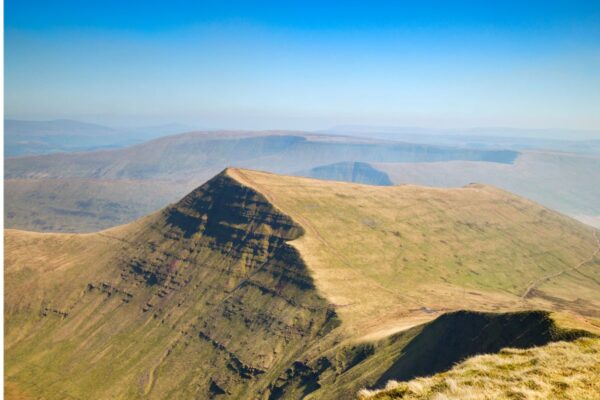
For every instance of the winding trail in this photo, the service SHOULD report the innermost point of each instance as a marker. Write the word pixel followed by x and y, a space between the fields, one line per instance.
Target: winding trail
pixel 544 279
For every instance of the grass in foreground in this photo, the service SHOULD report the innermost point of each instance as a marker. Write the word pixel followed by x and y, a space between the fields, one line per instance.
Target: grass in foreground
pixel 561 370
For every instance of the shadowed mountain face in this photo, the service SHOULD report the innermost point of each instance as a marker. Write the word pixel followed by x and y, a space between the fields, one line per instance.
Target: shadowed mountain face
pixel 466 334
pixel 90 191
pixel 422 351
pixel 356 172
pixel 255 286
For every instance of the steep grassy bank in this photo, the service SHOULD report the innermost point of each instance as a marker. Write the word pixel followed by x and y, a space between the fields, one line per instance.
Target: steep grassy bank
pixel 563 370
pixel 424 350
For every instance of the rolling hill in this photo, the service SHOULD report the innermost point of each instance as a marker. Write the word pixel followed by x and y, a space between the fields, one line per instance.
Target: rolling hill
pixel 25 138
pixel 176 165
pixel 257 285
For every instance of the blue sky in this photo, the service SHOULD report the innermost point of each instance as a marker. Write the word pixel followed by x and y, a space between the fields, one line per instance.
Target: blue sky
pixel 305 65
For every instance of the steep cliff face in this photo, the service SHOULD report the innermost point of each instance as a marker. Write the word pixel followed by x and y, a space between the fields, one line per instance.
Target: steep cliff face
pixel 206 299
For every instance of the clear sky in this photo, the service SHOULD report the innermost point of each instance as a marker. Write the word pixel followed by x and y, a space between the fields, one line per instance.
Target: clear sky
pixel 305 64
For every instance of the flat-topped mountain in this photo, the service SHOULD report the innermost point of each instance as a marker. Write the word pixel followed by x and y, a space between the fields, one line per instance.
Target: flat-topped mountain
pixel 258 285
pixel 187 154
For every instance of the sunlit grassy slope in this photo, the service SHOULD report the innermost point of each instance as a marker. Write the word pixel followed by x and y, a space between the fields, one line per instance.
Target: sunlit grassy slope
pixel 390 256
pixel 263 286
pixel 569 183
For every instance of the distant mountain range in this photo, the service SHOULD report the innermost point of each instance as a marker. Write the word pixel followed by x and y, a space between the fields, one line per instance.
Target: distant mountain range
pixel 44 137
pixel 85 191
pixel 563 140
pixel 100 189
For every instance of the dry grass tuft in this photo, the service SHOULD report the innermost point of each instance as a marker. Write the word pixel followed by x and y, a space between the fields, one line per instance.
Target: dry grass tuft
pixel 561 370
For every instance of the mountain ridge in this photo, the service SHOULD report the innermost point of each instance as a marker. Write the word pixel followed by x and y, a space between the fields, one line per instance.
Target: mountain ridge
pixel 224 294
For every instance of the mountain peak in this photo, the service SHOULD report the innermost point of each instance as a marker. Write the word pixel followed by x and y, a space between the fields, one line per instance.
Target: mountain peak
pixel 257 285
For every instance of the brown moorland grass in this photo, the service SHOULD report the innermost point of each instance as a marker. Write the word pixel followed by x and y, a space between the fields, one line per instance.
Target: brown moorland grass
pixel 207 296
pixel 561 370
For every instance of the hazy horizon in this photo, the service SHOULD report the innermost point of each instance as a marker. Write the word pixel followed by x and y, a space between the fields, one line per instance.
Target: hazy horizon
pixel 306 66
pixel 175 127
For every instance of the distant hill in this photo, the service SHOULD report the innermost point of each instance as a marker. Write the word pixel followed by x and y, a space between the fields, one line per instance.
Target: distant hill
pixel 178 164
pixel 187 154
pixel 22 138
pixel 560 140
pixel 257 285
pixel 356 172
pixel 174 165
pixel 43 137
